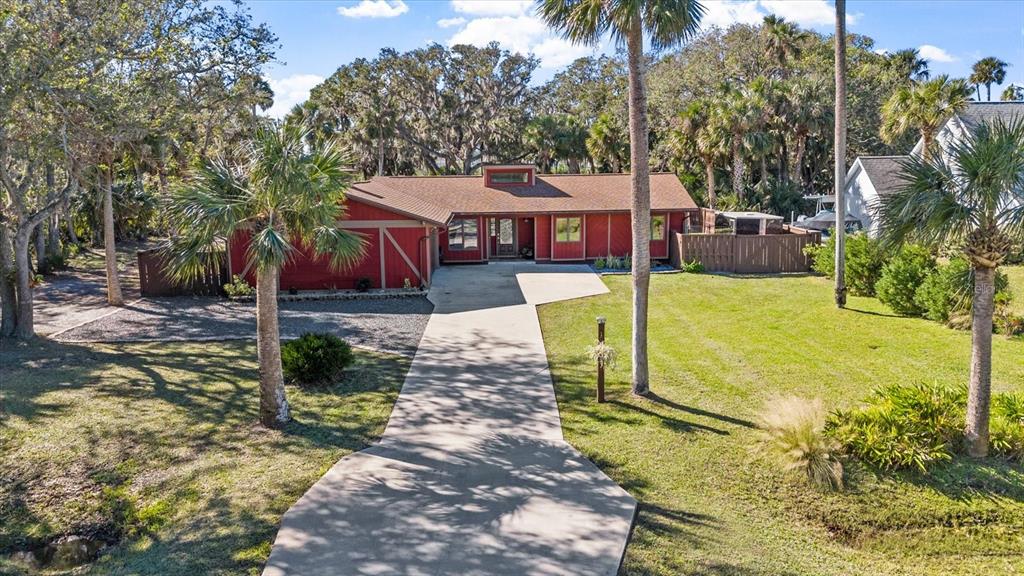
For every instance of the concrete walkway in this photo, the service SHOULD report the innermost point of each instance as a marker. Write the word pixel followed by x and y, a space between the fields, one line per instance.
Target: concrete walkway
pixel 472 476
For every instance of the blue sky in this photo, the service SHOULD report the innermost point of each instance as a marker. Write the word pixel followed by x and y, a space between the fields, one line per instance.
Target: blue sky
pixel 318 36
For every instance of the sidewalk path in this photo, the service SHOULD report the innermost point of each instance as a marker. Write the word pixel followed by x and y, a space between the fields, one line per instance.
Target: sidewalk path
pixel 472 476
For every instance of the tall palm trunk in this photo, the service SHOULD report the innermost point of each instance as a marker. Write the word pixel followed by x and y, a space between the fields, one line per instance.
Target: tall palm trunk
pixel 640 211
pixel 979 392
pixel 737 168
pixel 709 168
pixel 114 296
pixel 273 404
pixel 840 152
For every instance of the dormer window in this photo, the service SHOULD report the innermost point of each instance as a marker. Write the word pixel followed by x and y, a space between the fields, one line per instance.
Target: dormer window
pixel 509 175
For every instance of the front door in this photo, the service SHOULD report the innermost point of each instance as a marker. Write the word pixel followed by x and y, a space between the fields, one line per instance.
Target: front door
pixel 506 237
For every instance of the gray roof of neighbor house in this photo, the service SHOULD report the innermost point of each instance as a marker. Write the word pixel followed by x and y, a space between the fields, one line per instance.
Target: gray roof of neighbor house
pixel 884 171
pixel 979 112
pixel 436 198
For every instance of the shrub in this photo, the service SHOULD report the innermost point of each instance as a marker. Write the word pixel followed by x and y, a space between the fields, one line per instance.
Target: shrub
pixel 902 276
pixel 600 264
pixel 864 261
pixel 793 428
pixel 315 358
pixel 694 267
pixel 1009 324
pixel 1007 425
pixel 363 284
pixel 903 426
pixel 238 287
pixel 948 291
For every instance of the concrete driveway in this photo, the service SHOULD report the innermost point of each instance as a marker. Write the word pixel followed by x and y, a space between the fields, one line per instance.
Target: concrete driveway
pixel 472 475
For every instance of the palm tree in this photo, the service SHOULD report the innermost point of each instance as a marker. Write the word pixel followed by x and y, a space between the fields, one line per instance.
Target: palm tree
pixel 666 23
pixel 809 116
pixel 701 134
pixel 923 107
pixel 542 137
pixel 286 193
pixel 909 62
pixel 782 41
pixel 971 197
pixel 1011 93
pixel 840 152
pixel 988 71
pixel 606 142
pixel 742 113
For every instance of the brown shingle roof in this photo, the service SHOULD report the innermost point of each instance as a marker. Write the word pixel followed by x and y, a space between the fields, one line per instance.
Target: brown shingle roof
pixel 436 198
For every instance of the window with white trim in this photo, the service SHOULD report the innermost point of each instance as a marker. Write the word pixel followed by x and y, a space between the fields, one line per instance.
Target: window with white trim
pixel 657 227
pixel 568 229
pixel 463 234
pixel 510 177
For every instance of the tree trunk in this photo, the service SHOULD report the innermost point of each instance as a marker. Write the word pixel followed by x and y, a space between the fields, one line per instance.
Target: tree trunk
pixel 784 161
pixel 114 297
pixel 574 165
pixel 640 212
pixel 840 152
pixel 273 404
pixel 53 242
pixel 380 150
pixel 40 241
pixel 68 217
pixel 801 150
pixel 988 92
pixel 23 284
pixel 709 168
pixel 8 293
pixel 737 169
pixel 979 391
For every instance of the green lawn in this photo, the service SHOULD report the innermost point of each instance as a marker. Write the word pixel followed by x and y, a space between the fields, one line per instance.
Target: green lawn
pixel 711 503
pixel 161 442
pixel 1016 275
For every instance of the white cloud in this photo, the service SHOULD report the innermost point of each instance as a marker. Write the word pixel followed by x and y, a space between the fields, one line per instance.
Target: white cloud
pixel 806 13
pixel 492 7
pixel 374 9
pixel 449 22
pixel 728 12
pixel 526 34
pixel 935 54
pixel 290 91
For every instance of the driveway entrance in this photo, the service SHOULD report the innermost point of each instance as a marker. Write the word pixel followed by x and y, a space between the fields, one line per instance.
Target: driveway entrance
pixel 472 475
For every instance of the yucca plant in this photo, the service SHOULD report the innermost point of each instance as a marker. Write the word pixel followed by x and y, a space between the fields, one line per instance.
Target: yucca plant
pixel 793 429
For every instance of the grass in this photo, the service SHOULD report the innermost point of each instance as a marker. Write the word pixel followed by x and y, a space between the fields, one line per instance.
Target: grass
pixel 711 501
pixel 1016 276
pixel 158 445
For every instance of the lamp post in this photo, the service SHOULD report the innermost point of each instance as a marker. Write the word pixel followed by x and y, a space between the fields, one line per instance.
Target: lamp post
pixel 600 361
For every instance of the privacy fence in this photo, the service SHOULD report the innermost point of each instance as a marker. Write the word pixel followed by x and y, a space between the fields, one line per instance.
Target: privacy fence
pixel 743 254
pixel 154 280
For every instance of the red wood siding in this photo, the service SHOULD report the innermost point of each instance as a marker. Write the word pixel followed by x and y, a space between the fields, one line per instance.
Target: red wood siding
pixel 395 268
pixel 304 272
pixel 358 211
pixel 569 250
pixel 597 235
pixel 466 255
pixel 542 231
pixel 622 235
pixel 524 232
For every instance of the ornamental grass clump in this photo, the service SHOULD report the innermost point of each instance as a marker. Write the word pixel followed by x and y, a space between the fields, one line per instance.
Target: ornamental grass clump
pixel 793 428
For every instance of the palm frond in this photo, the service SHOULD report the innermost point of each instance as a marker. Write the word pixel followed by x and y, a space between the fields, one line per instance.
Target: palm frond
pixel 343 247
pixel 269 248
pixel 579 21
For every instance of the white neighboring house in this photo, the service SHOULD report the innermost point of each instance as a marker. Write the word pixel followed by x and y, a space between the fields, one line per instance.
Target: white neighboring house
pixel 868 178
pixel 871 176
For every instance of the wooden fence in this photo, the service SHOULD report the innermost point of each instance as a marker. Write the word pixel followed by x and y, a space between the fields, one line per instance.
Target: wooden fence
pixel 154 281
pixel 768 254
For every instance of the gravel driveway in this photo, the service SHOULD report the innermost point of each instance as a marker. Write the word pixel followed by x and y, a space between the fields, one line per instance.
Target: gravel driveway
pixel 392 325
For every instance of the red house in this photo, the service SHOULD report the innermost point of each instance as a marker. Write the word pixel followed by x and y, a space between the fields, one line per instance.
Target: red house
pixel 413 224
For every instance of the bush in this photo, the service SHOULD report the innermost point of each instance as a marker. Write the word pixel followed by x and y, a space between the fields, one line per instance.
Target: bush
pixel 1007 425
pixel 600 264
pixel 949 290
pixel 1009 324
pixel 793 429
pixel 238 287
pixel 315 358
pixel 902 276
pixel 363 284
pixel 864 261
pixel 903 426
pixel 694 267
